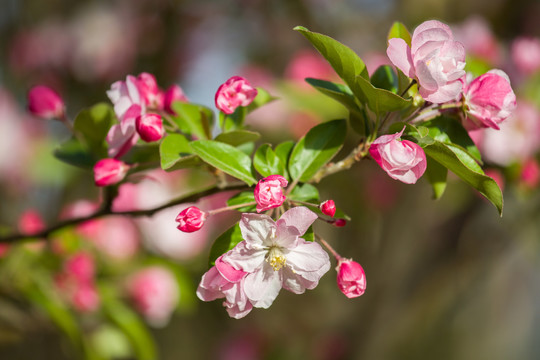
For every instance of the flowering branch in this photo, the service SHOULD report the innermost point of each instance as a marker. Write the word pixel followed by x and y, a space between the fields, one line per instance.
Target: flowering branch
pixel 106 210
pixel 346 163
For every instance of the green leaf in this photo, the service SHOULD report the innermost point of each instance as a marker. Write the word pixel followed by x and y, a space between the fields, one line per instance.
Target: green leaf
pixel 315 149
pixel 450 131
pixel 266 162
pixel 243 198
pixel 74 153
pixel 340 93
pixel 283 152
pixel 385 78
pixel 173 149
pixel 463 165
pixel 436 175
pixel 263 97
pixel 92 125
pixel 247 148
pixel 309 235
pixel 344 61
pixel 360 122
pixel 226 158
pixel 238 137
pixel 304 192
pixel 146 155
pixel 194 119
pixel 381 100
pixel 398 30
pixel 224 243
pixel 132 326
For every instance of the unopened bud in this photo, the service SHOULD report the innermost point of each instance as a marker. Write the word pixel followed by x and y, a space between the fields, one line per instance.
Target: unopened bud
pixel 109 171
pixel 340 222
pixel 150 127
pixel 191 219
pixel 328 208
pixel 45 103
pixel 351 278
pixel 173 93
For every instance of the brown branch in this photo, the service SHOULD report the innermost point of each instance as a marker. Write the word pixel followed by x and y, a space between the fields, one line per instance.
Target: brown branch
pixel 106 210
pixel 346 163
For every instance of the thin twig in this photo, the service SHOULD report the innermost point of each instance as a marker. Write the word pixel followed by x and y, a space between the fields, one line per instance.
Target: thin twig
pixel 106 210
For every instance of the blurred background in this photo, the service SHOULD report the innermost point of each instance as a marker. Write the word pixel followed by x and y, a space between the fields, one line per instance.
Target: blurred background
pixel 447 279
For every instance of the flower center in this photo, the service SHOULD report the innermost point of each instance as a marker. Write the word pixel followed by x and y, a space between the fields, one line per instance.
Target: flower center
pixel 275 258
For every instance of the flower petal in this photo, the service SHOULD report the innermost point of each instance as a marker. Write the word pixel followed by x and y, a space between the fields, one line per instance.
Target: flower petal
pixel 243 258
pixel 307 257
pixel 263 286
pixel 399 54
pixel 299 217
pixel 257 229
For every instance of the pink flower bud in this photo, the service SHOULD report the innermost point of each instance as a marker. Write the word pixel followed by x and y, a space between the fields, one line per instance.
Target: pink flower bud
pixel 269 192
pixel 85 297
pixel 155 293
pixel 328 208
pixel 45 102
pixel 489 99
pixel 191 219
pixel 340 222
pixel 149 90
pixel 150 127
pixel 80 267
pixel 109 171
pixel 434 59
pixel 526 54
pixel 351 278
pixel 173 93
pixel 235 92
pixel 402 160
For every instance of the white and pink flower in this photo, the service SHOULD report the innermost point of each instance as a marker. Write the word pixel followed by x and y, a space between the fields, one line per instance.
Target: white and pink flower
pixel 275 256
pixel 402 160
pixel 235 92
pixel 489 100
pixel 269 192
pixel 434 59
pixel 224 281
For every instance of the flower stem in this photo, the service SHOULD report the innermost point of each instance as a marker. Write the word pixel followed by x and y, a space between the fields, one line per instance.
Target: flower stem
pixel 233 207
pixel 330 248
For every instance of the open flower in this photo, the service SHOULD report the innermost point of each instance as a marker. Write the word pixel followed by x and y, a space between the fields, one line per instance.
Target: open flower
pixel 434 59
pixel 274 255
pixel 402 160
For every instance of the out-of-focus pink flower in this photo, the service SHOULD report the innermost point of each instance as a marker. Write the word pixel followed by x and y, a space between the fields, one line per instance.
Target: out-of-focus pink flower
pixel 235 92
pixel 351 278
pixel 150 127
pixel 116 237
pixel 275 256
pixel 489 99
pixel 269 192
pixel 308 64
pixel 173 93
pixel 374 60
pixel 530 173
pixel 224 281
pixel 82 208
pixel 85 297
pixel 526 54
pixel 155 294
pixel 517 140
pixel 109 172
pixel 80 266
pixel 191 219
pixel 434 59
pixel 31 222
pixel 478 39
pixel 328 208
pixel 402 160
pixel 149 90
pixel 45 102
